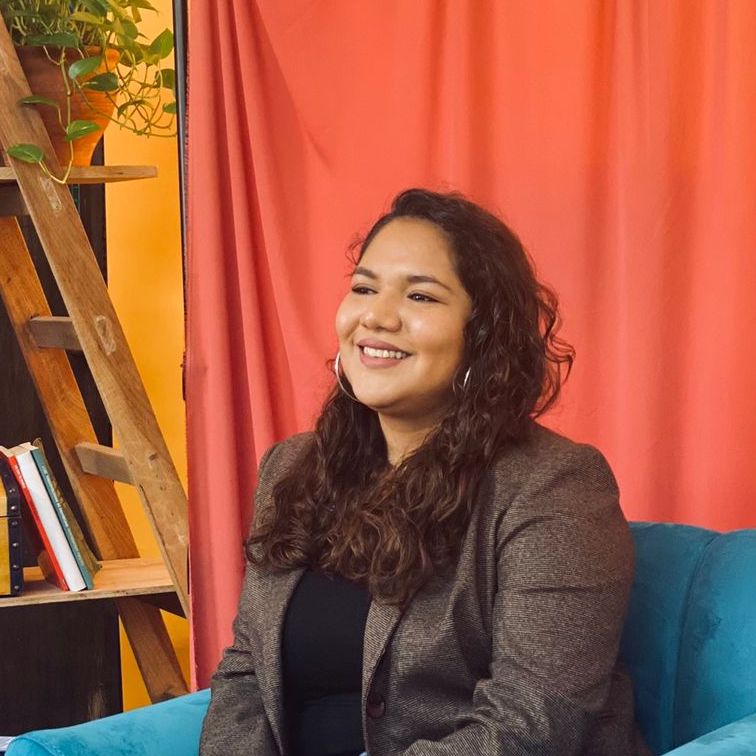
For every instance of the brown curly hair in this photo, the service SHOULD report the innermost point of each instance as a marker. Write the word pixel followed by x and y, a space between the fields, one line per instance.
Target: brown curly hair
pixel 343 508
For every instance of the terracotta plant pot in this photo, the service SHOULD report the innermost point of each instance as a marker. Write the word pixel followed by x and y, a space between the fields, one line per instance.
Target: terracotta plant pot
pixel 45 79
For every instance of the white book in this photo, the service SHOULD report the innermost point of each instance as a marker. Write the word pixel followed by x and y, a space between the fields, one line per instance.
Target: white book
pixel 49 519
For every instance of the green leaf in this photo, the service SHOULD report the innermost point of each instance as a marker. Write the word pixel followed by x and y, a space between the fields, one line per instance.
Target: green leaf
pixel 162 45
pixel 87 18
pixel 28 153
pixel 169 107
pixel 136 51
pixel 104 82
pixel 84 66
pixel 77 129
pixel 115 6
pixel 98 7
pixel 129 28
pixel 166 78
pixel 61 39
pixel 38 100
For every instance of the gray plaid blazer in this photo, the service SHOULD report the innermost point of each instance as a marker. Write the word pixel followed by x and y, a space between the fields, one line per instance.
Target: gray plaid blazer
pixel 514 653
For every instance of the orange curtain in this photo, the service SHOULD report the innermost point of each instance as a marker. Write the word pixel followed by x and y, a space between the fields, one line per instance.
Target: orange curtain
pixel 616 137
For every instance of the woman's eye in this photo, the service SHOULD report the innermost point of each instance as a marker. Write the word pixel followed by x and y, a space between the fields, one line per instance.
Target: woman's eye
pixel 418 297
pixel 361 289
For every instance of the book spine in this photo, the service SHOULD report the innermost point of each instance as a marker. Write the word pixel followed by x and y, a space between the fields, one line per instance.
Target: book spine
pixel 5 558
pixel 13 507
pixel 11 565
pixel 9 489
pixel 39 459
pixel 49 520
pixel 13 462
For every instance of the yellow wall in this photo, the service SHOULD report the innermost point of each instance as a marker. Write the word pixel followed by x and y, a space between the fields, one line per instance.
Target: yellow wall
pixel 144 277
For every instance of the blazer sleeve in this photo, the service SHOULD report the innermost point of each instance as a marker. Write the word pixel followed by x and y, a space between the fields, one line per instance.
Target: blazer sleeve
pixel 564 572
pixel 236 721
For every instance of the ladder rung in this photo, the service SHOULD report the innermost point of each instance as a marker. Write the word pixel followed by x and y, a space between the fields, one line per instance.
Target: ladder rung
pixel 96 459
pixel 55 332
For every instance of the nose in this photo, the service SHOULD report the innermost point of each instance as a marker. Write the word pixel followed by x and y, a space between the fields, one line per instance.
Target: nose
pixel 381 314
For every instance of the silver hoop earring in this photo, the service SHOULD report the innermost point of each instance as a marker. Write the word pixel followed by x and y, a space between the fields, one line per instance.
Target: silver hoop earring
pixel 336 366
pixel 466 379
pixel 460 388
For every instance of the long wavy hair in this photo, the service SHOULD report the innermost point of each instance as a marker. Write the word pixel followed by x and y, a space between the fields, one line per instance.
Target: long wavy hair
pixel 343 508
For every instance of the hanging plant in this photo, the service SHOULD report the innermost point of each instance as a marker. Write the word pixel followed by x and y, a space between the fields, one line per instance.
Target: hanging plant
pixel 88 64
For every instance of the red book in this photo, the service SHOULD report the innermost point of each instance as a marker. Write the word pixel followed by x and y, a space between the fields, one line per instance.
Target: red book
pixel 47 562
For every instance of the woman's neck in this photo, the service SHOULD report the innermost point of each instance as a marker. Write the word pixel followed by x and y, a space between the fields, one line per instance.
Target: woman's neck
pixel 403 436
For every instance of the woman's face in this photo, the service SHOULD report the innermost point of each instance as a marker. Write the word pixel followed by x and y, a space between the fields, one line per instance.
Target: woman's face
pixel 400 328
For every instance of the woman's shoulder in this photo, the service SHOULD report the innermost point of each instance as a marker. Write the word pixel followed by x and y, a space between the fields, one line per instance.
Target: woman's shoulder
pixel 283 454
pixel 556 501
pixel 274 465
pixel 544 443
pixel 546 457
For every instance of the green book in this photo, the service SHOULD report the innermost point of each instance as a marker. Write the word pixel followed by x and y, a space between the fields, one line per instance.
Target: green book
pixel 88 564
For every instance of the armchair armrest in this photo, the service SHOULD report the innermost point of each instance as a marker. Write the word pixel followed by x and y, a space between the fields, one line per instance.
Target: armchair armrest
pixel 171 727
pixel 735 739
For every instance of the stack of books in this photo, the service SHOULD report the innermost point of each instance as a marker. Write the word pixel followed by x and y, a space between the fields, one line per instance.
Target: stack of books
pixel 62 552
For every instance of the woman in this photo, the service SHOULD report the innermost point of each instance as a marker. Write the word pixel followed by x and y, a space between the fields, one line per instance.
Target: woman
pixel 430 570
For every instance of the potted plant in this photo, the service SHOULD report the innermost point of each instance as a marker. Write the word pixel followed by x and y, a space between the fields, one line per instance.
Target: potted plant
pixel 87 64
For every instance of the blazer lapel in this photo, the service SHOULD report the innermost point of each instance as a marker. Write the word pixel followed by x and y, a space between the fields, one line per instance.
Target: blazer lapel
pixel 276 594
pixel 381 622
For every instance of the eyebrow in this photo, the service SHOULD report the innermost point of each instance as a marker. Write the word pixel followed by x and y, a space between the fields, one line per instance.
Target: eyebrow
pixel 413 279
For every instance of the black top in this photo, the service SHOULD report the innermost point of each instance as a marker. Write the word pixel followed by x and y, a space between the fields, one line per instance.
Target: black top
pixel 322 665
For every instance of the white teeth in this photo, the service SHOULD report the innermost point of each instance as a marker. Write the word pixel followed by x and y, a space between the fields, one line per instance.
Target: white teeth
pixel 385 354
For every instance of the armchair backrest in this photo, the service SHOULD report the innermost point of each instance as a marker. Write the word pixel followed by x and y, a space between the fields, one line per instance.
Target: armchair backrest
pixel 690 636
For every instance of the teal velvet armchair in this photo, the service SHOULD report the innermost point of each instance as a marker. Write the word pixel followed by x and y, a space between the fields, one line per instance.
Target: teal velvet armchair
pixel 689 642
pixel 690 639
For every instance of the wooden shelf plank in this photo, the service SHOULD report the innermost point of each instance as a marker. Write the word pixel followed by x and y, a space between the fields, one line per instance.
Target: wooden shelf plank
pixel 116 579
pixel 94 174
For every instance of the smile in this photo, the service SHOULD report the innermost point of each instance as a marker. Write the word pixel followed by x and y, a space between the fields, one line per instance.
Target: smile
pixel 384 354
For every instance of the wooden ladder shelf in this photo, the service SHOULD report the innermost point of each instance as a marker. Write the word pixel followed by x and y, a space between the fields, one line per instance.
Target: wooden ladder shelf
pixel 92 328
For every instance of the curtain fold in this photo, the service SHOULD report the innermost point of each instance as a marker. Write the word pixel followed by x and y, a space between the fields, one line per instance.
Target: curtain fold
pixel 616 138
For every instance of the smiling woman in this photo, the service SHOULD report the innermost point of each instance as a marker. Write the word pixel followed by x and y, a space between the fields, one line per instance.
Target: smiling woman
pixel 431 571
